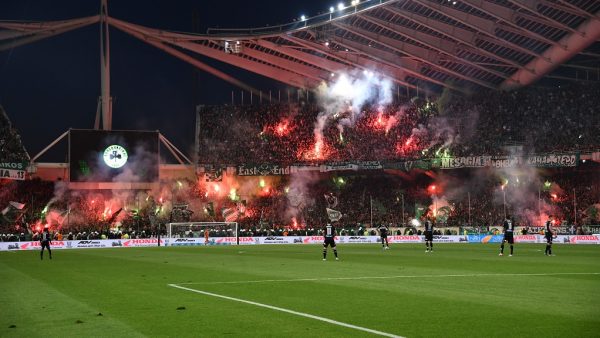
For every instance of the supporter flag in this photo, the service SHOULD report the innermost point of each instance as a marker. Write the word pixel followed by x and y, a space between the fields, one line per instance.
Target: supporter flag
pixel 12 205
pixel 210 209
pixel 12 212
pixel 241 207
pixel 334 215
pixel 419 210
pixel 17 205
pixel 230 214
pixel 214 175
pixel 443 213
pixel 331 199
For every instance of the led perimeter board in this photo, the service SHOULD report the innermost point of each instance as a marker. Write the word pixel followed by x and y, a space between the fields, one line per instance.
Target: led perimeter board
pixel 113 156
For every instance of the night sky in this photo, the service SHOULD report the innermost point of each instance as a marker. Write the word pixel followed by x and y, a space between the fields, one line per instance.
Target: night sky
pixel 52 85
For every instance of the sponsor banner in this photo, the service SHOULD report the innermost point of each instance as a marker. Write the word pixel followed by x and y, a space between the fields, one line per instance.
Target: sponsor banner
pixel 275 240
pixel 485 238
pixel 263 170
pixel 405 239
pixel 448 239
pixel 584 239
pixel 358 239
pixel 149 242
pixel 527 238
pixel 140 242
pixel 184 241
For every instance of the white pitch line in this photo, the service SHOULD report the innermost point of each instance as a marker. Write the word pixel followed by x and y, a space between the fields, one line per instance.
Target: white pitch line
pixel 390 277
pixel 301 314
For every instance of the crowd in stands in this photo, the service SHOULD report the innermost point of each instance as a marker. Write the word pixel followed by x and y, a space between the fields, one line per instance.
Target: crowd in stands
pixel 537 120
pixel 533 119
pixel 11 148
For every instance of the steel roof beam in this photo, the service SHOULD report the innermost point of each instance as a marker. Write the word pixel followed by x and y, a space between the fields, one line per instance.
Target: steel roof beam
pixel 508 15
pixel 287 64
pixel 466 37
pixel 411 66
pixel 479 24
pixel 395 73
pixel 331 66
pixel 575 43
pixel 581 11
pixel 566 9
pixel 275 73
pixel 47 31
pixel 441 45
pixel 531 5
pixel 281 75
pixel 424 55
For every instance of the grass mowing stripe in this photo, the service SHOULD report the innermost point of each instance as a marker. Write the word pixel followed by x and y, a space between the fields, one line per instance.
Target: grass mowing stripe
pixel 302 314
pixel 392 277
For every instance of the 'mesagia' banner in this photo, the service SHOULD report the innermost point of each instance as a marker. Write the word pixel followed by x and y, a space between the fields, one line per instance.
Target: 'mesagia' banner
pixel 545 161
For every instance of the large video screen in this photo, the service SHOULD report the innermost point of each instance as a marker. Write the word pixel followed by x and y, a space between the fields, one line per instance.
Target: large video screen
pixel 113 156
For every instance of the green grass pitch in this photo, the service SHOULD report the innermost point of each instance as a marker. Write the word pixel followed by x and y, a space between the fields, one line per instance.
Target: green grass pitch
pixel 460 290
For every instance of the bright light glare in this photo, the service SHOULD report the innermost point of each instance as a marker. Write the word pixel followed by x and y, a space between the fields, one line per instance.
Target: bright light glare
pixel 303 17
pixel 341 6
pixel 331 9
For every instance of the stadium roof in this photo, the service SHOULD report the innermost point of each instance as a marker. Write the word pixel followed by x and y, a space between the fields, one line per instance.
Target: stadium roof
pixel 462 44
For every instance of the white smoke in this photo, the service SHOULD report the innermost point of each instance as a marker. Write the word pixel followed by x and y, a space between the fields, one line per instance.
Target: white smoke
pixel 343 99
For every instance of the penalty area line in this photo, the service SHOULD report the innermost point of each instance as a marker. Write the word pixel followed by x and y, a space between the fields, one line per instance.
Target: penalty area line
pixel 280 309
pixel 392 277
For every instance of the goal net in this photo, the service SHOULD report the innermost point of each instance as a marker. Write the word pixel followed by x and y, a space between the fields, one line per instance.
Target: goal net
pixel 195 233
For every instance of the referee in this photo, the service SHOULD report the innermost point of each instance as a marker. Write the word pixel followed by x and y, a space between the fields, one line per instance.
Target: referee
pixel 45 243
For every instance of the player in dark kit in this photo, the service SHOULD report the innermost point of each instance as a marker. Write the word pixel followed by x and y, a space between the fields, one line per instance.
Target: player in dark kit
pixel 549 234
pixel 428 235
pixel 509 228
pixel 45 243
pixel 383 233
pixel 329 240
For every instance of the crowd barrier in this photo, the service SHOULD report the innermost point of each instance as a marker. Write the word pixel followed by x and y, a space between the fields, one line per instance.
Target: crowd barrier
pixel 132 243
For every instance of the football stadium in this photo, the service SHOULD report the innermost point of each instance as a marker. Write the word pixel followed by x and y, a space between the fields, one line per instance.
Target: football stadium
pixel 396 168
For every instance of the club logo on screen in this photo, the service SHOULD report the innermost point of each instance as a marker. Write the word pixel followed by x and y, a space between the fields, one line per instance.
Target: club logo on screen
pixel 115 156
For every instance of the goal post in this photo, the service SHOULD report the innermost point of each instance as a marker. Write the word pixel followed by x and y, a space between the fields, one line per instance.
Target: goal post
pixel 196 230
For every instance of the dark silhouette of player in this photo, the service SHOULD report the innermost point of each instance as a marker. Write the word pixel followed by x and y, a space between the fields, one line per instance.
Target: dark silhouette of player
pixel 329 240
pixel 509 228
pixel 45 241
pixel 383 233
pixel 428 234
pixel 549 234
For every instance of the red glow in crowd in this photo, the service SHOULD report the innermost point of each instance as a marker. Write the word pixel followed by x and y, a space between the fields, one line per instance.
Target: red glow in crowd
pixel 281 129
pixel 406 147
pixel 383 122
pixel 319 151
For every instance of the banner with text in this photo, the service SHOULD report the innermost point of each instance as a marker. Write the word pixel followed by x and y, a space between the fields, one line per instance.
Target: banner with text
pixel 13 170
pixel 542 161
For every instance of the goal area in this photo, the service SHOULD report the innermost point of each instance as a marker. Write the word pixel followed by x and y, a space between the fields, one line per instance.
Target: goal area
pixel 196 230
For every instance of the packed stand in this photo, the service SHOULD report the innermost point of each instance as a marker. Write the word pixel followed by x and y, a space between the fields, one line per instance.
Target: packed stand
pixel 489 123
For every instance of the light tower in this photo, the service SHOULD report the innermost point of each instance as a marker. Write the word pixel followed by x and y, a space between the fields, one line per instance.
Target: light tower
pixel 104 108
